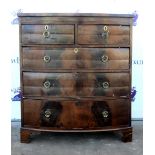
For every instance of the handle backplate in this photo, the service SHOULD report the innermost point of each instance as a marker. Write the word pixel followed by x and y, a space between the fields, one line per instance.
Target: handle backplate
pixel 104 58
pixel 47 58
pixel 105 85
pixel 105 114
pixel 47 84
pixel 47 113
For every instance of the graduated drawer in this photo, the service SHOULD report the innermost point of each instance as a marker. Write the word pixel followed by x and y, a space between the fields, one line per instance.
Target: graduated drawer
pixel 72 114
pixel 47 34
pixel 104 34
pixel 76 84
pixel 74 58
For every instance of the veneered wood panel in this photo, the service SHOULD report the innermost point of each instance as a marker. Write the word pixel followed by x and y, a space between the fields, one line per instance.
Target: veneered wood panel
pixel 66 58
pixel 93 34
pixel 76 84
pixel 58 34
pixel 82 114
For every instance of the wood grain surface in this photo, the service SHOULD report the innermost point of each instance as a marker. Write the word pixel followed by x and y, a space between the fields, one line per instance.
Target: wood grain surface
pixel 66 58
pixel 77 114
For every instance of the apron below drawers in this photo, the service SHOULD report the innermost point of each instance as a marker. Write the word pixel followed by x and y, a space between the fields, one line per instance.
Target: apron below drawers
pixel 72 114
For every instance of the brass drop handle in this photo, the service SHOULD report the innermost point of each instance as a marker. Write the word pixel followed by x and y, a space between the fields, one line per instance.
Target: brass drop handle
pixel 47 84
pixel 105 114
pixel 104 58
pixel 47 113
pixel 46 33
pixel 47 58
pixel 105 85
pixel 105 33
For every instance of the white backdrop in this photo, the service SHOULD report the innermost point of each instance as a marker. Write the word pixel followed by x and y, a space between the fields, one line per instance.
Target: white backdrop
pixel 99 6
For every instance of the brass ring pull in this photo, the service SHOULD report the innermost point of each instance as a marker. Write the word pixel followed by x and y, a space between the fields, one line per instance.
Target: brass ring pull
pixel 105 85
pixel 105 33
pixel 47 113
pixel 47 58
pixel 76 50
pixel 104 58
pixel 105 28
pixel 47 84
pixel 105 114
pixel 46 34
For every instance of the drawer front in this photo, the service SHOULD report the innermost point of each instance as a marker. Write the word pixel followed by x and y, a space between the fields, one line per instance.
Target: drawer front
pixel 75 58
pixel 76 84
pixel 101 34
pixel 47 34
pixel 82 114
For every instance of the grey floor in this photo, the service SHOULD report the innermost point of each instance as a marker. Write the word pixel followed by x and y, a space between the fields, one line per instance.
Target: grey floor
pixel 78 143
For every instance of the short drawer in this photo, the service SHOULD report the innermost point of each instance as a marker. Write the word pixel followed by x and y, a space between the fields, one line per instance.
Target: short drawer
pixel 47 34
pixel 74 58
pixel 72 114
pixel 104 34
pixel 76 84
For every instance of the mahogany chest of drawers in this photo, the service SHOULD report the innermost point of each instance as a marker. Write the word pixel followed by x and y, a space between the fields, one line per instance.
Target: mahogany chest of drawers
pixel 75 73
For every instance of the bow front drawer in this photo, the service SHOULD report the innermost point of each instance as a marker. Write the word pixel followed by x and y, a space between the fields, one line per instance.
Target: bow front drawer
pixel 47 34
pixel 82 114
pixel 76 84
pixel 104 34
pixel 75 58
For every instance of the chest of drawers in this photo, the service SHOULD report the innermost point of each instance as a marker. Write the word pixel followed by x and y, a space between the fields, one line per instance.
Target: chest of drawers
pixel 75 73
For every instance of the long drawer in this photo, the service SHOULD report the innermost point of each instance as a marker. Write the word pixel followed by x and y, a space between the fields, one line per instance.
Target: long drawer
pixel 104 34
pixel 76 84
pixel 76 114
pixel 75 58
pixel 47 34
